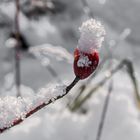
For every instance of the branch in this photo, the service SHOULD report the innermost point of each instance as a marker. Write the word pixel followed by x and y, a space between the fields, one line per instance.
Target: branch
pixel 17 49
pixel 45 98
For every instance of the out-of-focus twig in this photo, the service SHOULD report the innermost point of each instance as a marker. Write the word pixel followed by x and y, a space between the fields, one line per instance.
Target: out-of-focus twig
pixel 5 21
pixel 130 71
pixel 38 8
pixel 53 73
pixel 104 112
pixel 106 103
pixel 17 49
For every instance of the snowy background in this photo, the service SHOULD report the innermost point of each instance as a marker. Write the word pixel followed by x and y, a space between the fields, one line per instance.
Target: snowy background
pixel 56 121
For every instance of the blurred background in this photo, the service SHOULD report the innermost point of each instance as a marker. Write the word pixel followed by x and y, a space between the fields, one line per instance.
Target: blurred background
pixel 105 106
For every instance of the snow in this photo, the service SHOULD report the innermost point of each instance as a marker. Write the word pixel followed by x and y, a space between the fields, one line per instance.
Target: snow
pixel 43 52
pixel 13 108
pixel 83 61
pixel 11 43
pixel 56 121
pixel 92 35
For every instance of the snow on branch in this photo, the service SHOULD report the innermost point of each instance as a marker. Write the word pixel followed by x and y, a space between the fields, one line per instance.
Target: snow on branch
pixel 42 52
pixel 14 110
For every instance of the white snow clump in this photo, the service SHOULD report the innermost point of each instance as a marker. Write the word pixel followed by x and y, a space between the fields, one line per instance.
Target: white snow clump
pixel 92 35
pixel 84 61
pixel 13 108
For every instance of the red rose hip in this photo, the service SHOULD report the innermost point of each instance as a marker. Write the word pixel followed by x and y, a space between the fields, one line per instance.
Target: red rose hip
pixel 85 63
pixel 86 56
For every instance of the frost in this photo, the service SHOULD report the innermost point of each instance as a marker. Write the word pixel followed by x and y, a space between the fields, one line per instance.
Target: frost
pixel 83 61
pixel 12 108
pixel 42 52
pixel 92 35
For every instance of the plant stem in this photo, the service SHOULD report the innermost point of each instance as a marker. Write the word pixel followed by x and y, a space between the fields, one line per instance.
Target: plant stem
pixel 17 50
pixel 53 73
pixel 131 73
pixel 72 84
pixel 104 112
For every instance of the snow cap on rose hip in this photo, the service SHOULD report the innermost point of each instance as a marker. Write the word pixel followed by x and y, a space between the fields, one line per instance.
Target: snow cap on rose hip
pixel 92 35
pixel 86 55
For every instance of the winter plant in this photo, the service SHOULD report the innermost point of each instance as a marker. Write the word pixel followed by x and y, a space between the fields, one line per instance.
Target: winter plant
pixel 86 58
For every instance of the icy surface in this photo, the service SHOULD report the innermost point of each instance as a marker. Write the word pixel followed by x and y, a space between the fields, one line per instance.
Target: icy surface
pixel 12 108
pixel 92 35
pixel 84 61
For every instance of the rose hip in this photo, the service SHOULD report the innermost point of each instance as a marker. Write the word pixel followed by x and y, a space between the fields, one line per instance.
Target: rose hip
pixel 85 63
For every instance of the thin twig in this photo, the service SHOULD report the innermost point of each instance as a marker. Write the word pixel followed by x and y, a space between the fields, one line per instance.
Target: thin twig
pixel 106 105
pixel 53 73
pixel 131 73
pixel 18 121
pixel 104 112
pixel 17 49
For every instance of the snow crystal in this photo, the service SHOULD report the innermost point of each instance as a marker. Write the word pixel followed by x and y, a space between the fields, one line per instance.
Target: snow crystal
pixel 92 35
pixel 83 61
pixel 12 108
